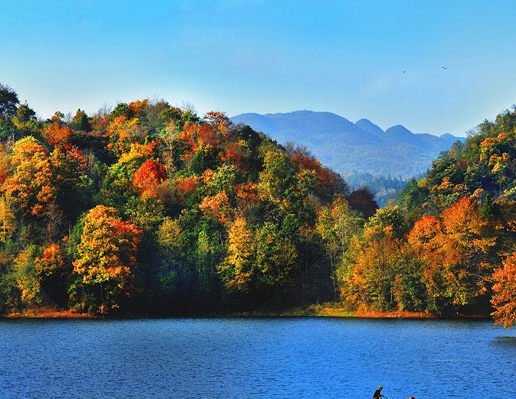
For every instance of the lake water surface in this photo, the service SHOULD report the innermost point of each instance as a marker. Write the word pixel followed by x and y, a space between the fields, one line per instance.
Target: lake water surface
pixel 255 358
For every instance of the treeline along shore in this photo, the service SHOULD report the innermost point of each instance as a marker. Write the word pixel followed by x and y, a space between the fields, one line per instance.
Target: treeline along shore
pixel 147 208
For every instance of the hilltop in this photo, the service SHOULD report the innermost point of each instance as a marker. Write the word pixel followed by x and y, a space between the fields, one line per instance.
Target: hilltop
pixel 353 148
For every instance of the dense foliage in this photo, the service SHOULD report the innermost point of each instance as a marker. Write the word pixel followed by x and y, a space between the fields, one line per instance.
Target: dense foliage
pixel 150 209
pixel 448 246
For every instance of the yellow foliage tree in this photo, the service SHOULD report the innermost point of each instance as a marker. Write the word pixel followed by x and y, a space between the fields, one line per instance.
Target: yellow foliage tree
pixel 31 185
pixel 236 270
pixel 107 256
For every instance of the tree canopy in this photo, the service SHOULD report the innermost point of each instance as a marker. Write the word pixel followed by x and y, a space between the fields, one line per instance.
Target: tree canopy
pixel 152 209
pixel 8 101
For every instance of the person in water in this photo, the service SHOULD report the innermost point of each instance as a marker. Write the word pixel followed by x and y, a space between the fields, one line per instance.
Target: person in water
pixel 378 393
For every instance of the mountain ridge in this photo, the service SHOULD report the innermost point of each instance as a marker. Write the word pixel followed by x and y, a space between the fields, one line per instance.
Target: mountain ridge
pixel 353 147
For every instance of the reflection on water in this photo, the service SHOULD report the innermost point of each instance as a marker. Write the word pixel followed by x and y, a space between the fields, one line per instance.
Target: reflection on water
pixel 254 358
pixel 508 341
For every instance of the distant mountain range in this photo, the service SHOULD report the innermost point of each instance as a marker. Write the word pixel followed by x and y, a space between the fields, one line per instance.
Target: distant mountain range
pixel 353 148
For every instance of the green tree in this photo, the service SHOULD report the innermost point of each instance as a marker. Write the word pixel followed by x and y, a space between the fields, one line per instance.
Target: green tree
pixel 80 121
pixel 24 115
pixel 8 101
pixel 389 216
pixel 336 225
pixel 208 254
pixel 27 281
pixel 8 130
pixel 277 258
pixel 277 178
pixel 8 222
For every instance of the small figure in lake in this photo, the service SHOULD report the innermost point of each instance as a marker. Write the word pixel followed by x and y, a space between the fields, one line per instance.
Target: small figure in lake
pixel 378 393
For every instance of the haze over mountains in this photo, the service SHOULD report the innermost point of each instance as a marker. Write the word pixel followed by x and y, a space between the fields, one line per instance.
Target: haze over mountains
pixel 353 148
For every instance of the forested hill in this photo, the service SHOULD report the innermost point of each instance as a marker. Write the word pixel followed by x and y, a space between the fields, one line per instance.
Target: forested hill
pixel 150 209
pixel 353 148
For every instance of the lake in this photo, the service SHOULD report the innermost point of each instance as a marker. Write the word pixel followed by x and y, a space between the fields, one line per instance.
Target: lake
pixel 255 358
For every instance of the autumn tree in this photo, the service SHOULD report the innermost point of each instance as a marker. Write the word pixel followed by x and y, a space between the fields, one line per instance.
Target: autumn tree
pixel 106 262
pixel 125 129
pixel 31 184
pixel 336 225
pixel 217 207
pixel 456 248
pixel 504 292
pixel 389 216
pixel 148 177
pixel 217 120
pixel 53 270
pixel 57 134
pixel 119 184
pixel 369 269
pixel 237 268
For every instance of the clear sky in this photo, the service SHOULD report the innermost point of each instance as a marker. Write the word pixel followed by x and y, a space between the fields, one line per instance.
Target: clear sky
pixel 377 59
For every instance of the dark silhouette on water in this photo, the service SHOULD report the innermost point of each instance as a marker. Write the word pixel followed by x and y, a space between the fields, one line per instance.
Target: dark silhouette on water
pixel 378 393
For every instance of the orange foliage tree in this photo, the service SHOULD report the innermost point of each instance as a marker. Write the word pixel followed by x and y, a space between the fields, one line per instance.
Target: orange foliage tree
pixel 217 206
pixel 370 268
pixel 504 296
pixel 56 134
pixel 106 260
pixel 51 262
pixel 456 249
pixel 52 271
pixel 148 177
pixel 123 132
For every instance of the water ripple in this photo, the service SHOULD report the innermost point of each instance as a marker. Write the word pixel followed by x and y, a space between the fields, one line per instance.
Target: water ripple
pixel 253 358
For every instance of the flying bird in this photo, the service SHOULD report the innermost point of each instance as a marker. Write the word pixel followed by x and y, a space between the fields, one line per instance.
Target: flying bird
pixel 445 67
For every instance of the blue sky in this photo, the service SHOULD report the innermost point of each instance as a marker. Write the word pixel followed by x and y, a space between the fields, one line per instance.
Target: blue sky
pixel 268 56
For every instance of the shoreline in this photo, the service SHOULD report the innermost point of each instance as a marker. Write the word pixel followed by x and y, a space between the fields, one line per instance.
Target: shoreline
pixel 312 311
pixel 48 313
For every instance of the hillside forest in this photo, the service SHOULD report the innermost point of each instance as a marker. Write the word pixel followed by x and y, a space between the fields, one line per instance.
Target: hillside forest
pixel 149 209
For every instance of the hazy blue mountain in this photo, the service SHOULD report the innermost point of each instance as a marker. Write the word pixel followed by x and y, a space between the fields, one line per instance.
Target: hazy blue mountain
pixel 369 126
pixel 353 148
